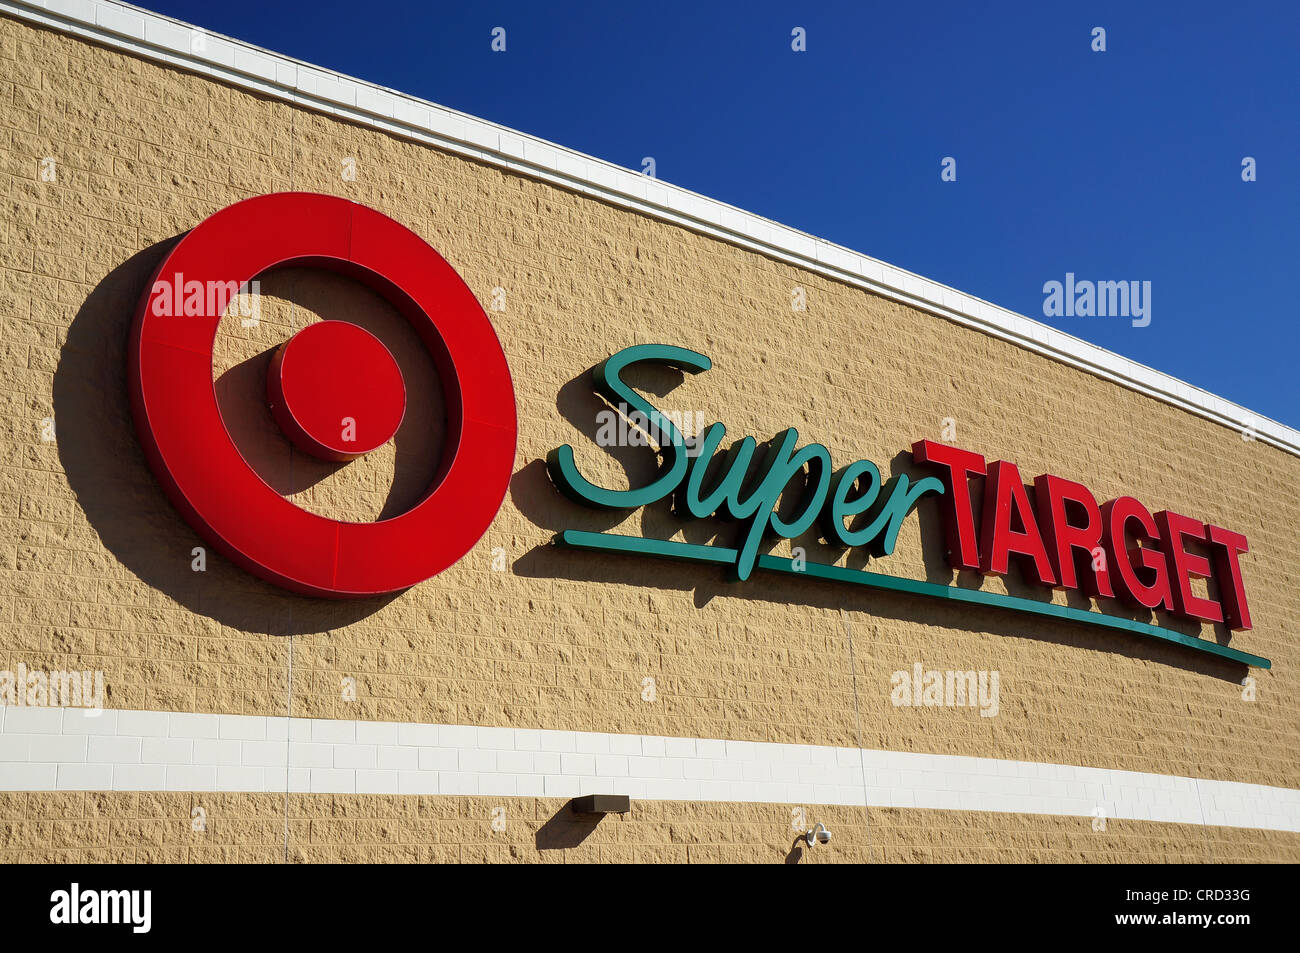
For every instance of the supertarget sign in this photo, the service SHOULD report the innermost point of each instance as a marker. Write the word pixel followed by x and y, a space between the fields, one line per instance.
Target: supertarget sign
pixel 328 377
pixel 336 392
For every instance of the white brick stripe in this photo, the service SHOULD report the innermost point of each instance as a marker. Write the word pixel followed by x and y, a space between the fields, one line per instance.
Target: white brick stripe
pixel 53 749
pixel 163 39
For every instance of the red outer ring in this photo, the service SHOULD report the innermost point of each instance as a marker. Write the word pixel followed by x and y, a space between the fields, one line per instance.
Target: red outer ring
pixel 191 452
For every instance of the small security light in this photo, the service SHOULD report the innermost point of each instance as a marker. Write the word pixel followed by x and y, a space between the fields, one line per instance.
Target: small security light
pixel 818 835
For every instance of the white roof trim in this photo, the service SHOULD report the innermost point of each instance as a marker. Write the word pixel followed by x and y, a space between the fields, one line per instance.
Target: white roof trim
pixel 150 35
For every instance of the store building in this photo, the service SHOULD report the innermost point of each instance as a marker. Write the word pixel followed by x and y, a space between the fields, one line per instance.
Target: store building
pixel 922 621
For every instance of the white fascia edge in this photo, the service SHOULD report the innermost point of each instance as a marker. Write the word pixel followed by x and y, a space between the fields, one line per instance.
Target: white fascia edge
pixel 153 36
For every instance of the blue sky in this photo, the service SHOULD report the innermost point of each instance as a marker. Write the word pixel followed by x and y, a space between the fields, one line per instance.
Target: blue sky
pixel 1122 165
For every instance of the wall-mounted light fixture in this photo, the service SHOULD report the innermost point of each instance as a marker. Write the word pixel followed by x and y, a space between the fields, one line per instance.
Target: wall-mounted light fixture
pixel 602 804
pixel 818 835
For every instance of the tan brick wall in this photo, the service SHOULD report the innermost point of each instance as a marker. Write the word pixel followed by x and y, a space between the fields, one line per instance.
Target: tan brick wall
pixel 79 827
pixel 95 565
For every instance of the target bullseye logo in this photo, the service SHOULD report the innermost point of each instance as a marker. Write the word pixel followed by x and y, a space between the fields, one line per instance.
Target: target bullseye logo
pixel 334 390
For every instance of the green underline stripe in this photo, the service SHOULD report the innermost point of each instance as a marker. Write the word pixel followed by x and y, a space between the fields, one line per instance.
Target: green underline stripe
pixel 724 556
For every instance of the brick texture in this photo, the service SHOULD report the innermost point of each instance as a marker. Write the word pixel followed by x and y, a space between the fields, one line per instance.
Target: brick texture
pixel 95 566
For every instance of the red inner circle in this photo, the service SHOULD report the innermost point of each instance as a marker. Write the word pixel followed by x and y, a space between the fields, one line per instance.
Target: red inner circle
pixel 336 391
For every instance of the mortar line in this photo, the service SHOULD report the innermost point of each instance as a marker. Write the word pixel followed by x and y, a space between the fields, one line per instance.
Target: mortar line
pixel 1200 802
pixel 857 717
pixel 288 734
